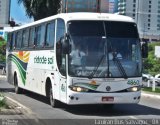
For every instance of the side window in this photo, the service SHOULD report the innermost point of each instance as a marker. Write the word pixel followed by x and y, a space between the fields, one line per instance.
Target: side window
pixel 9 41
pixel 32 37
pixel 40 36
pixel 9 44
pixel 14 40
pixel 60 29
pixel 50 34
pixel 19 40
pixel 61 58
pixel 25 37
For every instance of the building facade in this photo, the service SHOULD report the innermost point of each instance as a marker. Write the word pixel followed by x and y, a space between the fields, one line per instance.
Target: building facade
pixel 104 6
pixel 146 14
pixel 85 6
pixel 79 6
pixel 4 13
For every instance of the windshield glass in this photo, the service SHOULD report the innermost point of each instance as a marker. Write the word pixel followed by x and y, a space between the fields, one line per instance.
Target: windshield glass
pixel 104 49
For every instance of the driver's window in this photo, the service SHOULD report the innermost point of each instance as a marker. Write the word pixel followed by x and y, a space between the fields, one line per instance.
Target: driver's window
pixel 61 58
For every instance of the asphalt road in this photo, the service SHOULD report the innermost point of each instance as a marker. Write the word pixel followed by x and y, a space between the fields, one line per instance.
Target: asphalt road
pixel 148 108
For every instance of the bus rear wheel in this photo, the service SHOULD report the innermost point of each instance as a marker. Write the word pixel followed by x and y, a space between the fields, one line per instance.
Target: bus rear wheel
pixel 17 89
pixel 53 102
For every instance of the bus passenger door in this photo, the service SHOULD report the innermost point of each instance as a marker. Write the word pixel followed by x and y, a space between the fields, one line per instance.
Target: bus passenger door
pixel 61 60
pixel 61 65
pixel 62 79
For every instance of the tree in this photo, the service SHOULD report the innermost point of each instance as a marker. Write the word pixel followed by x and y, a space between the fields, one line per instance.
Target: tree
pixel 39 9
pixel 152 64
pixel 2 50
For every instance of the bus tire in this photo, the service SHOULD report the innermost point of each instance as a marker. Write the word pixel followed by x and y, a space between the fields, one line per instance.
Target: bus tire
pixel 53 102
pixel 16 88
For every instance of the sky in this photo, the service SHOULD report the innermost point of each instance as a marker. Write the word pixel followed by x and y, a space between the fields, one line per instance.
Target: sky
pixel 17 12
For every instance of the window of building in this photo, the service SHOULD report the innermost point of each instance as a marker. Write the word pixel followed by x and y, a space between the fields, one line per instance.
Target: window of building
pixel 149 10
pixel 150 2
pixel 149 6
pixel 50 34
pixel 134 5
pixel 149 20
pixel 148 24
pixel 133 15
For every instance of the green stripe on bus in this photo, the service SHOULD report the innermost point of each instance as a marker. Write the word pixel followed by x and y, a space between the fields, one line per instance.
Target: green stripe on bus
pixel 22 73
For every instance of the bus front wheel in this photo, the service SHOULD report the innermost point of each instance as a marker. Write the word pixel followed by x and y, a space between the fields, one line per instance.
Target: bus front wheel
pixel 53 102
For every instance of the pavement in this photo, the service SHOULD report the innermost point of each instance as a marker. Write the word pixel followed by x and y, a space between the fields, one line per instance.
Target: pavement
pixel 150 94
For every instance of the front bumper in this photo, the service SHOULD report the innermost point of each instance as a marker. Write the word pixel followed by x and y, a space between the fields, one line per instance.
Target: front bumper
pixel 75 98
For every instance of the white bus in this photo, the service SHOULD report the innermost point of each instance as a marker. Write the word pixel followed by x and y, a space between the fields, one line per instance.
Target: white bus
pixel 108 70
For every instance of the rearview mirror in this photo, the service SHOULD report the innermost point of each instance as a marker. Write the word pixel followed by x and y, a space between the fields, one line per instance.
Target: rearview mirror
pixel 65 45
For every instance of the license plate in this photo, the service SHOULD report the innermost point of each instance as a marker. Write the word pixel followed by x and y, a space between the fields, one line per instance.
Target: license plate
pixel 107 99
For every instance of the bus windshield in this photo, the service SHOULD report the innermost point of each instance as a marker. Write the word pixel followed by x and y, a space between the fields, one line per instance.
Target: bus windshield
pixel 104 49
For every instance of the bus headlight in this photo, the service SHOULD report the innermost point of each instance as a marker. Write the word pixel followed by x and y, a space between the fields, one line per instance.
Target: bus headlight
pixel 134 89
pixel 78 89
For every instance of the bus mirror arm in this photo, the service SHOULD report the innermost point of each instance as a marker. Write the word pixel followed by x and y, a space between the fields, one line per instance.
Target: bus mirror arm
pixel 144 49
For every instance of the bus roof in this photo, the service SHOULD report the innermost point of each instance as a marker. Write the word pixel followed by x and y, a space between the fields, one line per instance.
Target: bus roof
pixel 81 16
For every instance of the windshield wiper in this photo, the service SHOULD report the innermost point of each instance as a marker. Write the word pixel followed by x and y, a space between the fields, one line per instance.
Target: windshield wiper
pixel 120 67
pixel 96 67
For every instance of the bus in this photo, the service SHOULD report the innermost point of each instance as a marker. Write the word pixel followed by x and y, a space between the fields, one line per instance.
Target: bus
pixel 40 59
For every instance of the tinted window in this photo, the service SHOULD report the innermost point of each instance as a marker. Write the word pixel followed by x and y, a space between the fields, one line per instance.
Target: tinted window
pixel 50 35
pixel 25 37
pixel 121 29
pixel 61 58
pixel 40 37
pixel 86 28
pixel 60 29
pixel 14 40
pixel 32 37
pixel 9 41
pixel 18 40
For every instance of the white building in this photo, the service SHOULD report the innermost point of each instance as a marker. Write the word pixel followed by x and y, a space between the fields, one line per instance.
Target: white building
pixel 4 12
pixel 146 14
pixel 157 51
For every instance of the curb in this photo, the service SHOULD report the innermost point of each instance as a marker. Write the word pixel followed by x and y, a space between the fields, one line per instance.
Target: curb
pixel 150 95
pixel 20 106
